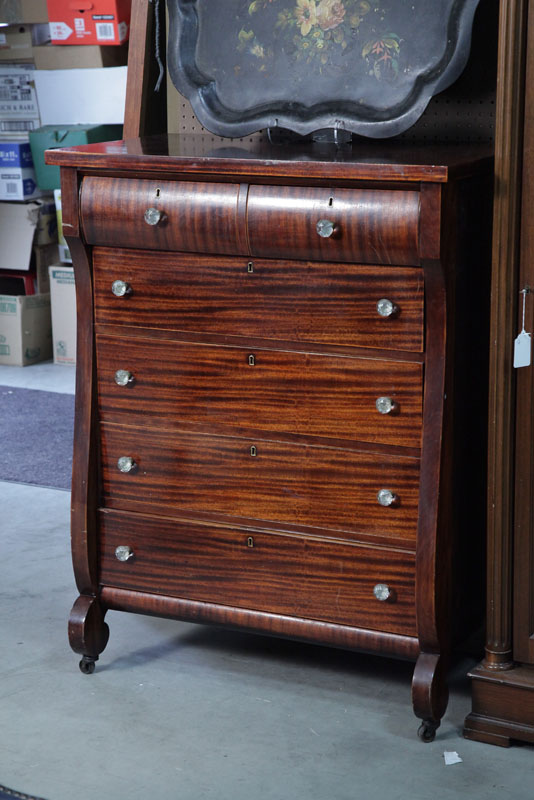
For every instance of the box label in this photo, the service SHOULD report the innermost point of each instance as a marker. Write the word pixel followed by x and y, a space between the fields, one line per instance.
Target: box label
pixel 15 154
pixel 60 31
pixel 8 305
pixel 105 31
pixel 63 276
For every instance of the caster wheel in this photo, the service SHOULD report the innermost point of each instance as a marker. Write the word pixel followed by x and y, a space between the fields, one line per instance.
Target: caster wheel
pixel 427 731
pixel 87 665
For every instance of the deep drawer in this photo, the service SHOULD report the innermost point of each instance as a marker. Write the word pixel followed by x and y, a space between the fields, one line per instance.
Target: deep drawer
pixel 198 217
pixel 295 484
pixel 331 304
pixel 175 383
pixel 280 574
pixel 373 226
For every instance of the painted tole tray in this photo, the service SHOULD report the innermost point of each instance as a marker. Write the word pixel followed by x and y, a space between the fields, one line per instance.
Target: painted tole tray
pixel 369 68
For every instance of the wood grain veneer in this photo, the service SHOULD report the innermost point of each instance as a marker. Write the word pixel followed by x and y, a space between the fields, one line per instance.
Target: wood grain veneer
pixel 331 304
pixel 371 226
pixel 175 383
pixel 320 487
pixel 254 497
pixel 200 217
pixel 295 576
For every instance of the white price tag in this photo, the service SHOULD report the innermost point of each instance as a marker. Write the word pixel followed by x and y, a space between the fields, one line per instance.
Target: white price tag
pixel 522 350
pixel 523 342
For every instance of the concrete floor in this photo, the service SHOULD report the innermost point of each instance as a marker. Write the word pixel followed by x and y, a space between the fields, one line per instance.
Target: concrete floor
pixel 182 711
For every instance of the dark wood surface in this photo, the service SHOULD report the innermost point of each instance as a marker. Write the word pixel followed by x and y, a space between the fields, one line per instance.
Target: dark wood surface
pixel 503 684
pixel 252 408
pixel 320 487
pixel 145 110
pixel 175 154
pixel 288 575
pixel 333 305
pixel 373 227
pixel 199 217
pixel 376 227
pixel 309 630
pixel 301 393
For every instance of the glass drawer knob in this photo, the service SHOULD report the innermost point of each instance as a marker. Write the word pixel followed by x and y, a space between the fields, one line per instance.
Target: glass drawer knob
pixel 385 405
pixel 126 464
pixel 153 216
pixel 123 553
pixel 120 288
pixel 386 497
pixel 325 228
pixel 125 378
pixel 382 592
pixel 386 308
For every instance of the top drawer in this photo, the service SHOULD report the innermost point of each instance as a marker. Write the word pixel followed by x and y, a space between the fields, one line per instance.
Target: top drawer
pixel 368 226
pixel 195 217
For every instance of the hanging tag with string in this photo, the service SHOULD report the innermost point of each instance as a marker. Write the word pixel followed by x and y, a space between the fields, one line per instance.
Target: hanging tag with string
pixel 523 342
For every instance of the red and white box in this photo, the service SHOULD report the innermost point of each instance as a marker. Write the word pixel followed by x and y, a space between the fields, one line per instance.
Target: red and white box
pixel 87 22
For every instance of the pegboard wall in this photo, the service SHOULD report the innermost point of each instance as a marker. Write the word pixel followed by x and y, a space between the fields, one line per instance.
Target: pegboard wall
pixel 464 113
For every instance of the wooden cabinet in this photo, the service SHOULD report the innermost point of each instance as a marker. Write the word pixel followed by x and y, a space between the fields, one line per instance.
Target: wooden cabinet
pixel 503 684
pixel 277 371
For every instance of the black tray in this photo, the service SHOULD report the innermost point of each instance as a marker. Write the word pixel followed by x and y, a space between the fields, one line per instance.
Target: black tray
pixel 369 68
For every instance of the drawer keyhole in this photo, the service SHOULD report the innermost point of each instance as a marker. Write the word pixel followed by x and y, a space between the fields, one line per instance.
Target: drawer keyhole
pixel 253 450
pixel 252 361
pixel 250 541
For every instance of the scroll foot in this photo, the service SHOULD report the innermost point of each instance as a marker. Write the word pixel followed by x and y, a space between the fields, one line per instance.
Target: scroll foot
pixel 88 633
pixel 430 694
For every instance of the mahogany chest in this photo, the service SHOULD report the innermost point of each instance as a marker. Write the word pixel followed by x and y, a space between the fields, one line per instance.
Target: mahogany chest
pixel 280 392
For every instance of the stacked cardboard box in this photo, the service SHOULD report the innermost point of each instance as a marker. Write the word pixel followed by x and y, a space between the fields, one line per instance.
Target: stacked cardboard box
pixel 17 174
pixel 62 94
pixel 99 22
pixel 28 236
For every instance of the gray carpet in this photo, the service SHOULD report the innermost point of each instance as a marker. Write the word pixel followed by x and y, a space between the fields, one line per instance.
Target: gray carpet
pixel 36 432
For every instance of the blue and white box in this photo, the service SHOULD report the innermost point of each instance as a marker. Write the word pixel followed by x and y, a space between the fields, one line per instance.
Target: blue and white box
pixel 15 154
pixel 17 175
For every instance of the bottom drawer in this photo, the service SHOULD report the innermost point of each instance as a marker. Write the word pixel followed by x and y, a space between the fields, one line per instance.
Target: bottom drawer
pixel 261 571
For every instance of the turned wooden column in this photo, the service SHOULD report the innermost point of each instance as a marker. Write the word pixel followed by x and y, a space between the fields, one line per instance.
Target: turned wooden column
pixel 508 162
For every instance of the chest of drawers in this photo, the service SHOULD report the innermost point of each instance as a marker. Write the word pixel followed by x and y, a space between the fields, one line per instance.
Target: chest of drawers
pixel 280 393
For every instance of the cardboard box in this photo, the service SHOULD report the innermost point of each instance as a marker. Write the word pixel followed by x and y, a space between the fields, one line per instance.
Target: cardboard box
pixel 17 41
pixel 84 22
pixel 63 301
pixel 42 258
pixel 51 136
pixel 14 11
pixel 81 96
pixel 92 56
pixel 25 227
pixel 19 110
pixel 63 248
pixel 15 154
pixel 25 329
pixel 17 175
pixel 18 184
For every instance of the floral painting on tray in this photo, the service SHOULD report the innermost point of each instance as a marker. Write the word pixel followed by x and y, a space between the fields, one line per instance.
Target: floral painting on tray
pixel 369 67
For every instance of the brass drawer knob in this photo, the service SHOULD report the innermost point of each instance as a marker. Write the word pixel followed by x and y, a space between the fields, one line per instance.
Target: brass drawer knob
pixel 125 378
pixel 386 497
pixel 382 592
pixel 153 216
pixel 121 288
pixel 126 464
pixel 325 228
pixel 386 405
pixel 123 553
pixel 387 308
